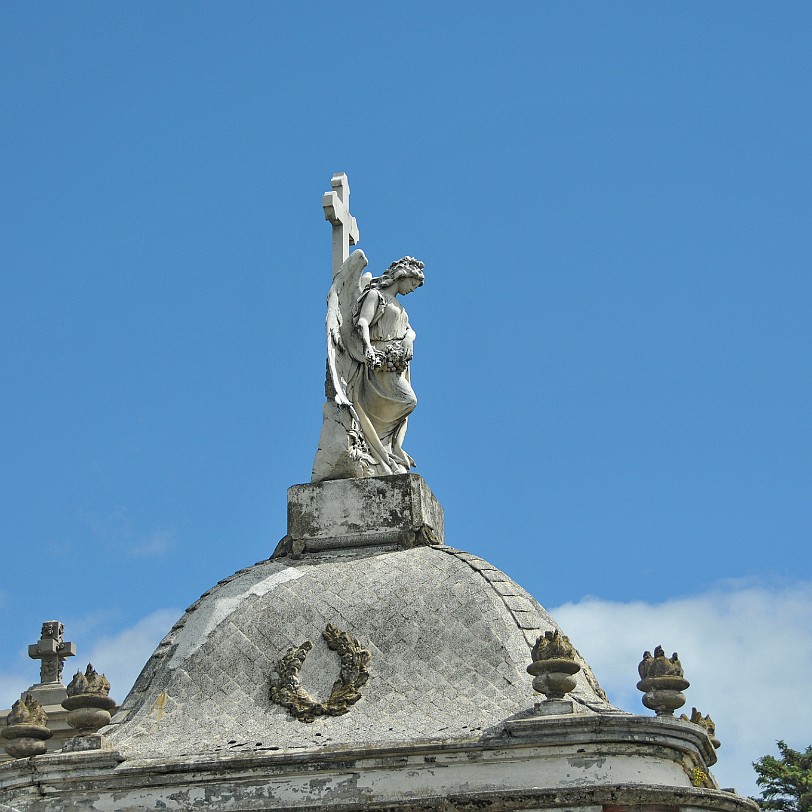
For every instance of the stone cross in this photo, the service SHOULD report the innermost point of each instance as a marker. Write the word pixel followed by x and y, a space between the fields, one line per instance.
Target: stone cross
pixel 337 210
pixel 52 651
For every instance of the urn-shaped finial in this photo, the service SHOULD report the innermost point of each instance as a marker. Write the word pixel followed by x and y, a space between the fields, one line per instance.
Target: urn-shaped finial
pixel 91 682
pixel 88 704
pixel 26 729
pixel 662 682
pixel 554 665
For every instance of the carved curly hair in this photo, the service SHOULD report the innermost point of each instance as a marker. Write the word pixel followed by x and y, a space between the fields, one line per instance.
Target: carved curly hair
pixel 400 268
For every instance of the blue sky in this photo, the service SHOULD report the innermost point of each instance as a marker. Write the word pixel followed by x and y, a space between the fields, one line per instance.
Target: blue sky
pixel 613 342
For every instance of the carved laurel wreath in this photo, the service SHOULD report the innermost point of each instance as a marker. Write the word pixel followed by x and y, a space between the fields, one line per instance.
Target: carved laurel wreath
pixel 288 692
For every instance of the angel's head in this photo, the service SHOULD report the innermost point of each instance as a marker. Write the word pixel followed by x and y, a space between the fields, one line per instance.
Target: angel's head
pixel 406 273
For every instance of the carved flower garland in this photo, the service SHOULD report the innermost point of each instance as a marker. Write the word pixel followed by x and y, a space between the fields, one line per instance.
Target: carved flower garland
pixel 288 692
pixel 392 358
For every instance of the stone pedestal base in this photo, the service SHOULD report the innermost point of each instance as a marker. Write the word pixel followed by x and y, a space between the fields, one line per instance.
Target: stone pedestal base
pixel 92 741
pixel 398 511
pixel 555 707
pixel 46 693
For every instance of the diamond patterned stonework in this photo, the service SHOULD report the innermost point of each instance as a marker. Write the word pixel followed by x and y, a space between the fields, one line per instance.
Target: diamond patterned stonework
pixel 448 634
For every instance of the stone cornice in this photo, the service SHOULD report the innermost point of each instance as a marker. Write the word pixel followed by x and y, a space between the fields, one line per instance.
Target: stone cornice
pixel 542 763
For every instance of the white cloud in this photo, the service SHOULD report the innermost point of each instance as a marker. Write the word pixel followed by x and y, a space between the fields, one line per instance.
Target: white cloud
pixel 122 656
pixel 152 545
pixel 746 649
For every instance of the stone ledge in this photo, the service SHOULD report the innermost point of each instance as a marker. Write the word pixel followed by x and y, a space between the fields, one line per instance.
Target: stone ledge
pixel 618 728
pixel 471 778
pixel 399 511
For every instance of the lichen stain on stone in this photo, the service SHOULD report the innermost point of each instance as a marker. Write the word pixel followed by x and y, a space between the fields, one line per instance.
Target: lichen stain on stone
pixel 159 705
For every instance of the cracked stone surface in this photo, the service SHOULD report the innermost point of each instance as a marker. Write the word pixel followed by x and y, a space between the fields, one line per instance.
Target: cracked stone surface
pixel 449 634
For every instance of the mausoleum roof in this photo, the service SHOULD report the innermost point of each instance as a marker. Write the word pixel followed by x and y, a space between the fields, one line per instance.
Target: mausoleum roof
pixel 449 637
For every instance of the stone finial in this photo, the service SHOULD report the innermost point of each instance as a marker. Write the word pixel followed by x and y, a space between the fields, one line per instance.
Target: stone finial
pixel 26 729
pixel 91 682
pixel 89 709
pixel 703 721
pixel 554 667
pixel 29 712
pixel 553 646
pixel 659 665
pixel 51 649
pixel 662 681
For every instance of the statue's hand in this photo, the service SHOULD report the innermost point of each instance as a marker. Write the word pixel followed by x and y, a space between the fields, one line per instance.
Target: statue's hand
pixel 369 353
pixel 408 348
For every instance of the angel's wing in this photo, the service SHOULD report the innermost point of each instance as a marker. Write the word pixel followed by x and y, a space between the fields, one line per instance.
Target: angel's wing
pixel 344 347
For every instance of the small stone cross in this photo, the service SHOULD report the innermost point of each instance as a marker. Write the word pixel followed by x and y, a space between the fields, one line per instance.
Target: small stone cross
pixel 337 210
pixel 52 650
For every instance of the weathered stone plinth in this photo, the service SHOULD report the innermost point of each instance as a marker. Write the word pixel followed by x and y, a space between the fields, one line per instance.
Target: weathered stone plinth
pixel 47 694
pixel 86 742
pixel 397 511
pixel 556 707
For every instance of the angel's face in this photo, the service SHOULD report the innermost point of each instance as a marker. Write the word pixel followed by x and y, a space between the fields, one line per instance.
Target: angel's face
pixel 406 284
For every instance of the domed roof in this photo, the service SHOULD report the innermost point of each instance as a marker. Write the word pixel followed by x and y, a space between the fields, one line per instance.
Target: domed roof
pixel 449 638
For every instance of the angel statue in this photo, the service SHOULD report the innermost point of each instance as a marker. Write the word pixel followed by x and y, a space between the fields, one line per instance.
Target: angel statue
pixel 369 394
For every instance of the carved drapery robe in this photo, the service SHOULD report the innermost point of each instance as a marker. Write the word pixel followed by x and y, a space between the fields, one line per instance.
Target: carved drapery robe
pixel 383 397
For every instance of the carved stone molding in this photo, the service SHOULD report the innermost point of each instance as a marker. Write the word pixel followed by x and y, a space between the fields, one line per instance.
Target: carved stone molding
pixel 288 692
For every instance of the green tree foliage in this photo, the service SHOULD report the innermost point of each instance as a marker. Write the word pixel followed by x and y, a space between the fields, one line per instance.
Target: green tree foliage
pixel 786 782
